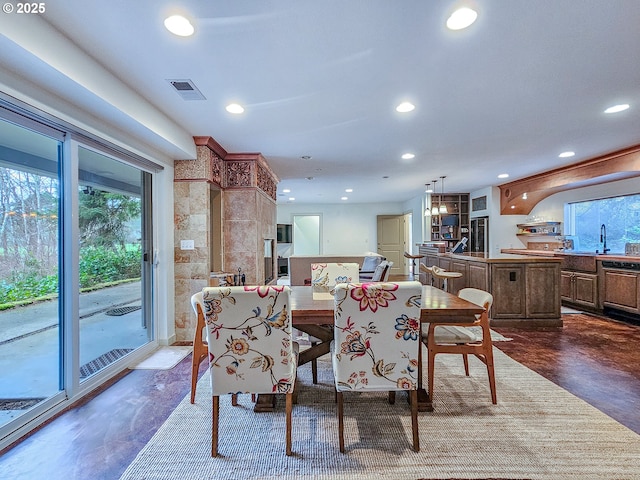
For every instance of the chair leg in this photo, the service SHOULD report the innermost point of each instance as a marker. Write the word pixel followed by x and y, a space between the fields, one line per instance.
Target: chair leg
pixel 234 399
pixel 214 426
pixel 420 365
pixel 431 360
pixel 492 375
pixel 392 397
pixel 314 367
pixel 253 398
pixel 414 420
pixel 465 360
pixel 289 409
pixel 340 420
pixel 195 366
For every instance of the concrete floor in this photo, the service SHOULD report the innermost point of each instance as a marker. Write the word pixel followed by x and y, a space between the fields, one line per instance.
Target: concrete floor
pixel 29 341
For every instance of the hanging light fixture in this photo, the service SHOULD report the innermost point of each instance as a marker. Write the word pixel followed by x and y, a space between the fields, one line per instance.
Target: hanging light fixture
pixel 443 207
pixel 434 210
pixel 427 210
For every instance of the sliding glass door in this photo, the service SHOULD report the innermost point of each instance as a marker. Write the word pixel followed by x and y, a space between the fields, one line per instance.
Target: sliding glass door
pixel 75 266
pixel 30 324
pixel 112 253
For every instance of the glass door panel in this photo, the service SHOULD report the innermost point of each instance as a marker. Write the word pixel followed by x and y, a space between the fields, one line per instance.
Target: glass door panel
pixel 114 259
pixel 30 332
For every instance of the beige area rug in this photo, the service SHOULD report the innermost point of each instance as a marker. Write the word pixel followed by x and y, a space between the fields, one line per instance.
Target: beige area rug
pixel 165 358
pixel 536 431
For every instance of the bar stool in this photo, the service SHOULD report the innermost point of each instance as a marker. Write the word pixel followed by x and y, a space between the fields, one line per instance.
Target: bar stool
pixel 444 275
pixel 413 261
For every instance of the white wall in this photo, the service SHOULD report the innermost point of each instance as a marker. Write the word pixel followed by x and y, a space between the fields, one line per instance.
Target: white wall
pixel 348 229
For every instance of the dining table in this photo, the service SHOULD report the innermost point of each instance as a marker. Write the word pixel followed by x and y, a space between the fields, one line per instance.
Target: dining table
pixel 312 311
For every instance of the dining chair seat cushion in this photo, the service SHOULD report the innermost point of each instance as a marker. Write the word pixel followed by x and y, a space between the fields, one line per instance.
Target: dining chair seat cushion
pixel 452 334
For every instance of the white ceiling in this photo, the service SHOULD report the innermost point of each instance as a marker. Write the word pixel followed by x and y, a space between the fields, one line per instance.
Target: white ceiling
pixel 526 82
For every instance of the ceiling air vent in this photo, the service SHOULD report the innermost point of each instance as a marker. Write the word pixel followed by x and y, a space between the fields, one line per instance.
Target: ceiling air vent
pixel 186 89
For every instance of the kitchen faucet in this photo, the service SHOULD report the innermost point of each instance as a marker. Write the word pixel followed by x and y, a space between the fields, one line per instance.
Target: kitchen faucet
pixel 603 238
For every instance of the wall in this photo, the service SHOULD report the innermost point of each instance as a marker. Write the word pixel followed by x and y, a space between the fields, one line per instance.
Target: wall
pixel 349 229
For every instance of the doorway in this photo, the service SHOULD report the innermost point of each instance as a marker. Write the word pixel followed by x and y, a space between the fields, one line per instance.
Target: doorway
pixel 391 241
pixel 306 234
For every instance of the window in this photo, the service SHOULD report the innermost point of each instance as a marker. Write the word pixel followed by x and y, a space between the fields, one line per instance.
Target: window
pixel 619 215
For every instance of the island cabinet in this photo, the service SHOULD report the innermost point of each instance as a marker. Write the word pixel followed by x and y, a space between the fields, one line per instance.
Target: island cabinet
pixel 526 290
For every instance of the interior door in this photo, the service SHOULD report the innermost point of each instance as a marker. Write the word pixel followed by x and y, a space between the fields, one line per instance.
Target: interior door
pixel 391 241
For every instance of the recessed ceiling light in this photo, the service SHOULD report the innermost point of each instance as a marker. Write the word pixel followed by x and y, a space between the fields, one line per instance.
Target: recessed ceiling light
pixel 179 25
pixel 408 156
pixel 405 107
pixel 286 190
pixel 461 18
pixel 348 190
pixel 234 108
pixel 292 199
pixel 617 108
pixel 344 198
pixel 567 154
pixel 503 175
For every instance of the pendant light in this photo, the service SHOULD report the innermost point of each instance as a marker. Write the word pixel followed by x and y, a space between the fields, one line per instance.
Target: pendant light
pixel 443 207
pixel 434 210
pixel 427 210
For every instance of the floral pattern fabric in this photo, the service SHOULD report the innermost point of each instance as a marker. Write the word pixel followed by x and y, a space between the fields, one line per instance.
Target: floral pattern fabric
pixel 376 334
pixel 249 336
pixel 330 274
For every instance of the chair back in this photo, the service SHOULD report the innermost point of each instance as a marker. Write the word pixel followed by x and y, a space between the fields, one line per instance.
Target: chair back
pixel 479 297
pixel 387 271
pixel 378 273
pixel 249 338
pixel 330 274
pixel 377 336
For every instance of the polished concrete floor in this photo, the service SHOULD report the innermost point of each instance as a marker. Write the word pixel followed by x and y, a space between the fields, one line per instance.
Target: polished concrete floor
pixel 594 358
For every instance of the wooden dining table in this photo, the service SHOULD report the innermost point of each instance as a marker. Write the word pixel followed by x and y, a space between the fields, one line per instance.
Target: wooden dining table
pixel 312 313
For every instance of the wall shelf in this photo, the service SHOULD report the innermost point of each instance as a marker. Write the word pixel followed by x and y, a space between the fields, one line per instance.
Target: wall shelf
pixel 539 229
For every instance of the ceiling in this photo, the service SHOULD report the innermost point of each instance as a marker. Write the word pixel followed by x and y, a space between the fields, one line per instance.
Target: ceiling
pixel 321 79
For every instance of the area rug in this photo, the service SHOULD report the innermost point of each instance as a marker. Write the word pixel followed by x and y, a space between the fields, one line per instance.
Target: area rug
pixel 536 431
pixel 164 358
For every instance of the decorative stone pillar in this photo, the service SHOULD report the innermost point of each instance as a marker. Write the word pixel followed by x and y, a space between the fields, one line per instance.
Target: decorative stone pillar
pixel 248 217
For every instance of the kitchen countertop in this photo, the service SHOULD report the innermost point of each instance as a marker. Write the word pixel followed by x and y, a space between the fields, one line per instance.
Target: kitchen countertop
pixel 563 253
pixel 503 257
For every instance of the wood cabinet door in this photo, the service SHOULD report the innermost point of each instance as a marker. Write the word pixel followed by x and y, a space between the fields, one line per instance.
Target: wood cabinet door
pixel 586 289
pixel 508 289
pixel 566 286
pixel 478 276
pixel 543 290
pixel 621 290
pixel 456 284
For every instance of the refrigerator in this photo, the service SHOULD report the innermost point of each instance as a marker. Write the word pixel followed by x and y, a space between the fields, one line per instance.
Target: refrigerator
pixel 479 235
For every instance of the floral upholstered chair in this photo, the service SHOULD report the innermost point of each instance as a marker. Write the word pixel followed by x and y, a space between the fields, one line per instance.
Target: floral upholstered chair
pixel 330 274
pixel 250 347
pixel 376 342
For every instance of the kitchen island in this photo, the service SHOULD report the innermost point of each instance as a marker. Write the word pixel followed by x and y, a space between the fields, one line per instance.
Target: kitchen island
pixel 601 283
pixel 525 288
